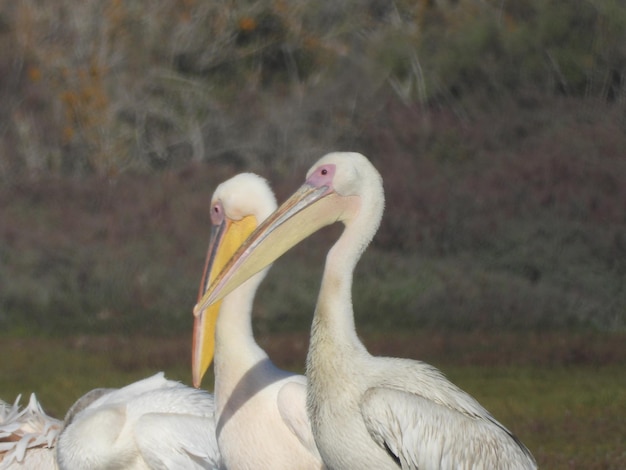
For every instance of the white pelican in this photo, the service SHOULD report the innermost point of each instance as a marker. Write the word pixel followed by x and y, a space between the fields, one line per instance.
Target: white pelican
pixel 154 423
pixel 260 409
pixel 366 411
pixel 27 436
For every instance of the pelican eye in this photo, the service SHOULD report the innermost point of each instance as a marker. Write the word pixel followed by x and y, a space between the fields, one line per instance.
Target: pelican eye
pixel 217 213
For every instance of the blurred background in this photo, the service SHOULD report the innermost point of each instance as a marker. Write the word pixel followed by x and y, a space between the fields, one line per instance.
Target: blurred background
pixel 499 127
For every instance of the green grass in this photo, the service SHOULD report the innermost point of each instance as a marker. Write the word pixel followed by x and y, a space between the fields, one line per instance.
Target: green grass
pixel 570 416
pixel 59 371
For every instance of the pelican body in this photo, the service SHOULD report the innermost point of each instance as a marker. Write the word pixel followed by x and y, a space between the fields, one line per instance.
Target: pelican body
pixel 366 411
pixel 260 410
pixel 154 423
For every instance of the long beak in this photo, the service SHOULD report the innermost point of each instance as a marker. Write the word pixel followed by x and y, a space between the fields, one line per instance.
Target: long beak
pixel 306 211
pixel 225 238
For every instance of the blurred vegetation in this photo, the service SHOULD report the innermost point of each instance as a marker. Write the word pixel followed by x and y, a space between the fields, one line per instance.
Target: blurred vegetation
pixel 104 87
pixel 499 128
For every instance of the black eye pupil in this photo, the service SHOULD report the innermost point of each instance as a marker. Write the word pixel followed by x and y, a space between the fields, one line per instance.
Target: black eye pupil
pixel 324 171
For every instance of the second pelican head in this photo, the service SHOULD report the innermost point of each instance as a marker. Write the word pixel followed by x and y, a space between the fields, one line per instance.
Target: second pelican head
pixel 237 207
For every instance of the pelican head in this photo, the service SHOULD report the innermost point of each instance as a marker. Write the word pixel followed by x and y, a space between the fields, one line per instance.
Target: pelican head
pixel 237 206
pixel 337 188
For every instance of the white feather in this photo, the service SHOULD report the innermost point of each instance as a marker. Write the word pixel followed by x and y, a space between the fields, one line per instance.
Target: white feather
pixel 27 436
pixel 152 423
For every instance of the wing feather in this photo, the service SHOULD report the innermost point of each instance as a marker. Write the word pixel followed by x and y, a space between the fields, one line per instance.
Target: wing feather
pixel 291 403
pixel 166 441
pixel 411 427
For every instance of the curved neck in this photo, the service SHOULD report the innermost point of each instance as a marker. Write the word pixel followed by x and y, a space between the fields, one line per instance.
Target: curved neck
pixel 333 330
pixel 236 350
pixel 235 319
pixel 334 316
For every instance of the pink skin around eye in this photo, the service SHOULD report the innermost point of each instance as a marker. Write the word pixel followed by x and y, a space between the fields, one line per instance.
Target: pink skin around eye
pixel 322 176
pixel 217 213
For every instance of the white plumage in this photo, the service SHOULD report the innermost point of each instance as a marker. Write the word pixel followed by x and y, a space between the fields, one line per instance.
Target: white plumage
pixel 260 409
pixel 365 411
pixel 154 423
pixel 27 436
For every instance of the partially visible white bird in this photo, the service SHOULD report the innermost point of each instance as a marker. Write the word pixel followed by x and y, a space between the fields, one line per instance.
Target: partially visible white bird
pixel 154 423
pixel 260 409
pixel 27 436
pixel 366 411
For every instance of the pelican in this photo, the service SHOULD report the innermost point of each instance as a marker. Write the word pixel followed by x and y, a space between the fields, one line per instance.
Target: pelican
pixel 154 423
pixel 260 410
pixel 366 411
pixel 27 436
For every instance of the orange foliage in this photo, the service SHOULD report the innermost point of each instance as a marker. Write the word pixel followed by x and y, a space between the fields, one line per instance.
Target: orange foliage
pixel 247 24
pixel 34 73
